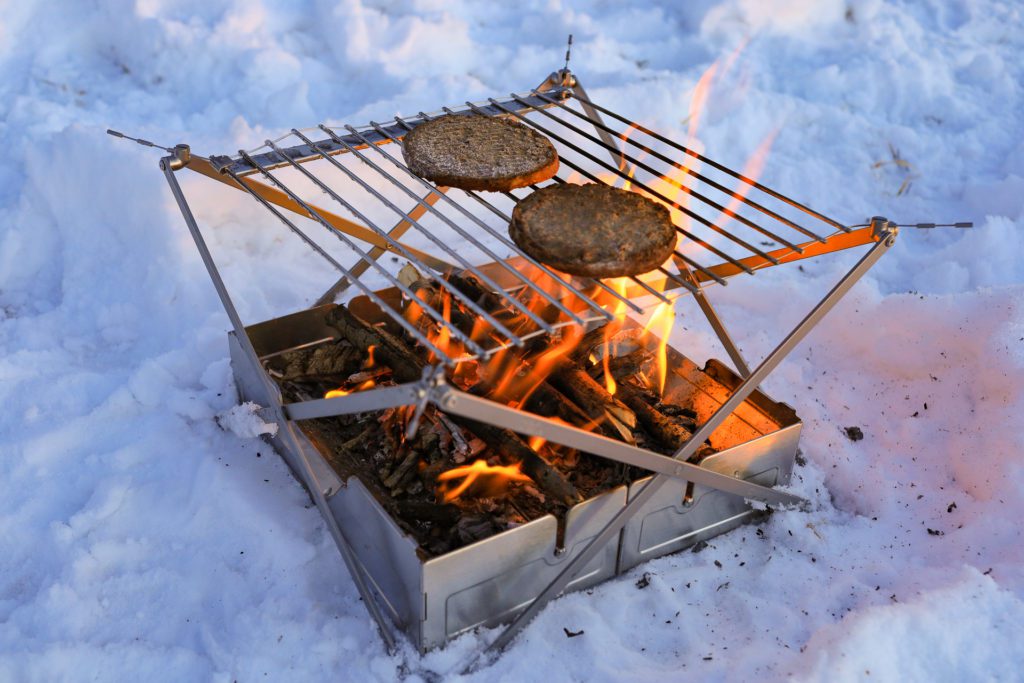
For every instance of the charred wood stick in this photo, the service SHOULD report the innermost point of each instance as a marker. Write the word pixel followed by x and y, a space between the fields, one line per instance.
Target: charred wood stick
pixel 408 463
pixel 666 431
pixel 432 296
pixel 404 363
pixel 545 401
pixel 329 362
pixel 502 309
pixel 594 399
pixel 548 401
pixel 513 449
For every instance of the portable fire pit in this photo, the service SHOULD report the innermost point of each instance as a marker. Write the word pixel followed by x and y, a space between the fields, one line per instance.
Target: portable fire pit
pixel 482 433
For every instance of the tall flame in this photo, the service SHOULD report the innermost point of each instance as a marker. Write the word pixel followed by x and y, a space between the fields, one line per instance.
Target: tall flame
pixel 662 320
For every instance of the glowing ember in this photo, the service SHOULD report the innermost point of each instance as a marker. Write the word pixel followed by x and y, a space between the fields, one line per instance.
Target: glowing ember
pixel 536 442
pixel 491 478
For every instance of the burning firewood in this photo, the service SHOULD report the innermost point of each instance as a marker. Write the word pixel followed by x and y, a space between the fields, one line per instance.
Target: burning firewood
pixel 595 400
pixel 408 367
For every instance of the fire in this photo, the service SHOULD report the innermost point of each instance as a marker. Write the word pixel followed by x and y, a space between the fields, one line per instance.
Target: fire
pixel 752 169
pixel 335 393
pixel 490 477
pixel 619 285
pixel 536 443
pixel 662 319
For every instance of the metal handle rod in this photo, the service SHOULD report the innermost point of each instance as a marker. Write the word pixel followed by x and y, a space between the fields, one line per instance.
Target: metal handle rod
pixel 466 300
pixel 377 398
pixel 484 410
pixel 724 169
pixel 529 259
pixel 286 427
pixel 688 212
pixel 470 238
pixel 394 315
pixel 696 174
pixel 690 447
pixel 672 181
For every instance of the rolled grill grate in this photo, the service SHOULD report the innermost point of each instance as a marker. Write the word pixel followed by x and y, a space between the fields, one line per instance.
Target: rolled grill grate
pixel 718 214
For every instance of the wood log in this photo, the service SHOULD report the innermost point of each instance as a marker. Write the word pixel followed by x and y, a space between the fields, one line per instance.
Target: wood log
pixel 433 296
pixel 388 349
pixel 512 449
pixel 328 362
pixel 666 431
pixel 594 399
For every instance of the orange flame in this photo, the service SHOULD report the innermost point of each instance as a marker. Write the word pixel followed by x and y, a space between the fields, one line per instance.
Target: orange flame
pixel 536 443
pixel 492 476
pixel 619 285
pixel 663 318
pixel 752 170
pixel 335 393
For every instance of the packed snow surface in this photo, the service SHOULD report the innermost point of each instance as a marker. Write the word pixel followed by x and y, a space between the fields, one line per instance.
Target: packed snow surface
pixel 148 533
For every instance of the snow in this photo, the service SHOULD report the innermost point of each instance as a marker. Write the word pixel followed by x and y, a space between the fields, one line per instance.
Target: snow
pixel 146 532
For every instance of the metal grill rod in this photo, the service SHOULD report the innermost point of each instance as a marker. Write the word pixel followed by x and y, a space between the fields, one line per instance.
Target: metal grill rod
pixel 397 231
pixel 441 281
pixel 622 174
pixel 395 315
pixel 708 181
pixel 486 250
pixel 724 169
pixel 302 153
pixel 370 294
pixel 675 183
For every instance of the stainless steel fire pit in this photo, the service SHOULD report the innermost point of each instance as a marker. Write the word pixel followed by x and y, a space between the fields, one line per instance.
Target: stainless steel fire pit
pixel 718 213
pixel 486 583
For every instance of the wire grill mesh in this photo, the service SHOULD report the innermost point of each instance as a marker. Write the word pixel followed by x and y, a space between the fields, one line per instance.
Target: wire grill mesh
pixel 725 221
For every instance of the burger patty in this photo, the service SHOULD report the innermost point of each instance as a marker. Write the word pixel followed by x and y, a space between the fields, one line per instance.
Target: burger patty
pixel 593 230
pixel 476 152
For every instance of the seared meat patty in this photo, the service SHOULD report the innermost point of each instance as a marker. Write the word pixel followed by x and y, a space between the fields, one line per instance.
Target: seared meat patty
pixel 593 230
pixel 476 152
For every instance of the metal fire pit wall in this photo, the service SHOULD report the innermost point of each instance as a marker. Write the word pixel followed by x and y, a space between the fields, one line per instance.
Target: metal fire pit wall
pixel 489 582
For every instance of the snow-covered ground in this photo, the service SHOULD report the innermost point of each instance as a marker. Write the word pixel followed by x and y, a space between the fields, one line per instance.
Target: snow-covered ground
pixel 141 541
